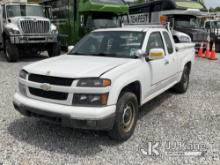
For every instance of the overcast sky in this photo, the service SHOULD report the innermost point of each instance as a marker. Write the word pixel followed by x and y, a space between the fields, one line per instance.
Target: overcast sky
pixel 212 3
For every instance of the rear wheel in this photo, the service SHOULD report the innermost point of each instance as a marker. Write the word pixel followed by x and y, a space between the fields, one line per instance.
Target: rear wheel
pixel 11 51
pixel 183 85
pixel 126 117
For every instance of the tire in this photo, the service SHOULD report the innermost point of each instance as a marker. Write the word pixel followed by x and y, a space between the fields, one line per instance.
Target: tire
pixel 126 117
pixel 54 50
pixel 11 51
pixel 183 85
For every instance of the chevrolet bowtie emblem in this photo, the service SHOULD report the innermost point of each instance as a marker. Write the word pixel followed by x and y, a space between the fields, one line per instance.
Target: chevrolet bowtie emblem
pixel 45 87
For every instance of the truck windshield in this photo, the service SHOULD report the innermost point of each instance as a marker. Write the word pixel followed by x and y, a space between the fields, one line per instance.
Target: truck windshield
pixel 187 22
pixel 96 21
pixel 104 23
pixel 24 10
pixel 118 2
pixel 121 44
pixel 217 24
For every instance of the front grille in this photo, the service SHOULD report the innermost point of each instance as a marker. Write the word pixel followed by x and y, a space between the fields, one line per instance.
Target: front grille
pixel 48 94
pixel 31 26
pixel 50 80
pixel 199 37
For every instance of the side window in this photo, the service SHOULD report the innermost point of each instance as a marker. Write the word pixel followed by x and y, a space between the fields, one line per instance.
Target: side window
pixel 155 41
pixel 156 7
pixel 3 12
pixel 168 42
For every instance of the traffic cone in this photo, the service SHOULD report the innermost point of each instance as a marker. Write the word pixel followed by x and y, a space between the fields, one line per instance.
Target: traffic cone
pixel 207 52
pixel 200 52
pixel 213 53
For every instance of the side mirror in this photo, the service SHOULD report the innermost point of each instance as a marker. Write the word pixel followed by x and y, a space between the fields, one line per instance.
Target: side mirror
pixel 70 48
pixel 140 53
pixel 156 54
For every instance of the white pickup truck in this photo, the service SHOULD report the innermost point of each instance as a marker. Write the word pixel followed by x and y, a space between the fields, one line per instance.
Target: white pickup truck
pixel 101 83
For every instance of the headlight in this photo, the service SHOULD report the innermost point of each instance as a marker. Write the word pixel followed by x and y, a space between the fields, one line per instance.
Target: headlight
pixel 54 32
pixel 184 39
pixel 23 74
pixel 90 99
pixel 13 31
pixel 95 82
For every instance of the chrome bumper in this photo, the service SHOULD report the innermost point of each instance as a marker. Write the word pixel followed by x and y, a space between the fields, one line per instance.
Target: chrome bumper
pixel 28 39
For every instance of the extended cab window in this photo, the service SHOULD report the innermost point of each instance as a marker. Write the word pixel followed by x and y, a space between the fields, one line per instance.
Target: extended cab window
pixel 155 41
pixel 168 42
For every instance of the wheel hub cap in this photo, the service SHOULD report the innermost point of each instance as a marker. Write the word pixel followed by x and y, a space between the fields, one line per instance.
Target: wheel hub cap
pixel 128 117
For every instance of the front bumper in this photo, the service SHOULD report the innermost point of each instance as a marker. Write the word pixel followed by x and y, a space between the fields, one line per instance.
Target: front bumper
pixel 27 39
pixel 97 118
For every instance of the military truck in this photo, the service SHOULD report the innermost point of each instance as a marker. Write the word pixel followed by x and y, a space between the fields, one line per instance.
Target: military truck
pixel 25 30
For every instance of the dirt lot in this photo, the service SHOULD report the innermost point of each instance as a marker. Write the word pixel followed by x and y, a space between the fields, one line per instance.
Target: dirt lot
pixel 172 129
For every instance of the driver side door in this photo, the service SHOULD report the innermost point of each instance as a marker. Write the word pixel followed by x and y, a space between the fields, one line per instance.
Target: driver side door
pixel 158 67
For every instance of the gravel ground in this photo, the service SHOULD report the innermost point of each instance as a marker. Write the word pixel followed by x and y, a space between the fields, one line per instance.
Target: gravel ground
pixel 171 125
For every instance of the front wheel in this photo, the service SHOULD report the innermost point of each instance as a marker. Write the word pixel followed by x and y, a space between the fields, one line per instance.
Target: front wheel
pixel 183 85
pixel 54 50
pixel 11 51
pixel 126 117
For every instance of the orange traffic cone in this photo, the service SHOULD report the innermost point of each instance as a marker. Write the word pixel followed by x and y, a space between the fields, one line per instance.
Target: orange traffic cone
pixel 213 53
pixel 207 52
pixel 200 52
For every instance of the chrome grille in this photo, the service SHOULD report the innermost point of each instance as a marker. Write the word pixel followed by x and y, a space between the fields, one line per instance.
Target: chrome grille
pixel 31 26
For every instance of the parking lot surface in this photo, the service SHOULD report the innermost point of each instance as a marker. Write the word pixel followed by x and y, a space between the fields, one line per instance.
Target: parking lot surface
pixel 172 129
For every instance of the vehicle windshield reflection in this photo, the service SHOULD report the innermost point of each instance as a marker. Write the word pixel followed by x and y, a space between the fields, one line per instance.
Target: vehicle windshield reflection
pixel 121 44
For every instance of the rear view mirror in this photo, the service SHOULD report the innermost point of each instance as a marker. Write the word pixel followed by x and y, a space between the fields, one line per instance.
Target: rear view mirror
pixel 156 54
pixel 70 48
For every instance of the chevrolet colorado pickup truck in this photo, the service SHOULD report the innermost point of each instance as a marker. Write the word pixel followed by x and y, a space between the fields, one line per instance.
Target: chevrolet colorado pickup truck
pixel 101 83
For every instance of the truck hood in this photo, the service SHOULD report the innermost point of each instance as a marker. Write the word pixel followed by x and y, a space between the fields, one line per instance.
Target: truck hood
pixel 191 30
pixel 16 20
pixel 197 35
pixel 70 66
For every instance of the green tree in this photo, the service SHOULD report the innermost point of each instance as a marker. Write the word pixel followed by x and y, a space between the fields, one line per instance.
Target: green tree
pixel 217 9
